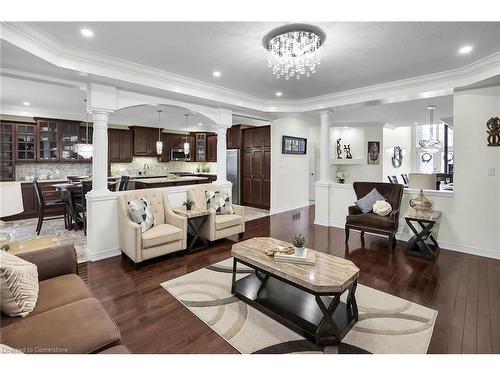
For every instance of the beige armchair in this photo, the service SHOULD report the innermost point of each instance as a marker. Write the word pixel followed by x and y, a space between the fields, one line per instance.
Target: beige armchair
pixel 217 226
pixel 167 236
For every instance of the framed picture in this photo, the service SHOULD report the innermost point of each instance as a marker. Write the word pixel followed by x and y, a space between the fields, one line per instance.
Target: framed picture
pixel 373 157
pixel 294 145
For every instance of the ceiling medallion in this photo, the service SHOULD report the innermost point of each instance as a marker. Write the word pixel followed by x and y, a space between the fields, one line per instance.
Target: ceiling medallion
pixel 293 50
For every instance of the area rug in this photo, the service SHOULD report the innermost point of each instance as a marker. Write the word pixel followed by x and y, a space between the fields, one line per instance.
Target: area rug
pixel 387 324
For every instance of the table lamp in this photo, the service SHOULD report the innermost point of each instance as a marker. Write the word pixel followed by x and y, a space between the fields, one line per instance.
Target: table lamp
pixel 421 181
pixel 11 203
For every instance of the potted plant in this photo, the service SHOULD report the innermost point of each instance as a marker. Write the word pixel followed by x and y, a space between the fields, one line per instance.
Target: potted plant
pixel 298 241
pixel 188 203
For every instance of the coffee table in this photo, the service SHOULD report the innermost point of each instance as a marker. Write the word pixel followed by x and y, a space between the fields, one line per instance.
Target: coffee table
pixel 196 219
pixel 305 298
pixel 37 243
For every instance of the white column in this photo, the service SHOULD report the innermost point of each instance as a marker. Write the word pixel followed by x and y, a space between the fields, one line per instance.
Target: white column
pixel 221 154
pixel 100 156
pixel 322 202
pixel 324 158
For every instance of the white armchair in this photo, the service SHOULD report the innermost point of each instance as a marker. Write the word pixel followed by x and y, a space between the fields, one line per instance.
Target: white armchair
pixel 217 226
pixel 167 236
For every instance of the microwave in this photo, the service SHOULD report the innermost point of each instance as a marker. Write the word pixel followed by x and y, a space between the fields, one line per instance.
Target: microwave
pixel 178 154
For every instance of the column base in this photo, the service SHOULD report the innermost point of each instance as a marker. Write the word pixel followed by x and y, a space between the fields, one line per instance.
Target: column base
pixel 322 203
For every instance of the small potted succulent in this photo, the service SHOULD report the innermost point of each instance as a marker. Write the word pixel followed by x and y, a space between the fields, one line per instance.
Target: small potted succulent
pixel 298 241
pixel 188 203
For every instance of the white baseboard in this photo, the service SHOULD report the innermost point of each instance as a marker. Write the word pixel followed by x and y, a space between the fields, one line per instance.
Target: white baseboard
pixel 274 211
pixel 94 257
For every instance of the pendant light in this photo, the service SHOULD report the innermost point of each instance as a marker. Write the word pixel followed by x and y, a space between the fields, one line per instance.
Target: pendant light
pixel 159 143
pixel 85 150
pixel 431 145
pixel 186 143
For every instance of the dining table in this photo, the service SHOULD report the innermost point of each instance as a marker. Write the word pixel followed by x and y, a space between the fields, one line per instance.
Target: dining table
pixel 67 190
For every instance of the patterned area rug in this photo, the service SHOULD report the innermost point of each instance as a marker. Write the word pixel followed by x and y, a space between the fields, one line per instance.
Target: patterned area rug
pixel 387 324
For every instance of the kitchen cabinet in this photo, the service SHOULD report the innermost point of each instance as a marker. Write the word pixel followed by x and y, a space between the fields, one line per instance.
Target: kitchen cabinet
pixel 211 147
pixel 201 146
pixel 119 146
pixel 144 141
pixel 48 136
pixel 233 137
pixel 25 142
pixel 7 166
pixel 70 136
pixel 166 139
pixel 256 167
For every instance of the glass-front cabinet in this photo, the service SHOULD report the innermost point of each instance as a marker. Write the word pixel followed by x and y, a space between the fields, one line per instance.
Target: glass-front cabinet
pixel 47 140
pixel 7 172
pixel 69 138
pixel 26 142
pixel 201 147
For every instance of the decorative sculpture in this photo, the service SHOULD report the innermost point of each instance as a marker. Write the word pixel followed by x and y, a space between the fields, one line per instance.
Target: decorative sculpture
pixel 339 149
pixel 493 130
pixel 347 150
pixel 397 157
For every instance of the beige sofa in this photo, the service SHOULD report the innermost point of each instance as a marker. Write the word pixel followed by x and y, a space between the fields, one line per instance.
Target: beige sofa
pixel 167 236
pixel 217 226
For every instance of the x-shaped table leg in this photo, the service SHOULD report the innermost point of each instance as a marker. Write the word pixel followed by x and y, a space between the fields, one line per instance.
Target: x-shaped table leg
pixel 195 231
pixel 421 236
pixel 327 321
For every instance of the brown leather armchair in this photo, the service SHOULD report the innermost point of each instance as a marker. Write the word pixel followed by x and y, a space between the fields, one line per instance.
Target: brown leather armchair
pixel 371 222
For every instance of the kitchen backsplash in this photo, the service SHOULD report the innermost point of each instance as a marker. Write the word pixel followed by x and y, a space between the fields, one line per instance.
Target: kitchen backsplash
pixel 46 171
pixel 154 167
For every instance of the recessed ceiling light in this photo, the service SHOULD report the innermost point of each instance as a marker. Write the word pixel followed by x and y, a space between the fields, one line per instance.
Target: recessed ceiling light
pixel 465 49
pixel 416 123
pixel 216 73
pixel 200 124
pixel 279 93
pixel 26 103
pixel 87 33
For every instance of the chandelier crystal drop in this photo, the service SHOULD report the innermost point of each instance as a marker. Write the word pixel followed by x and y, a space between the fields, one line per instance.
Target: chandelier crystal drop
pixel 293 50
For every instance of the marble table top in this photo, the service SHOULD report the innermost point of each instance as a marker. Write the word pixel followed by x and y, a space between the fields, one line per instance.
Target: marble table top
pixel 162 180
pixel 193 212
pixel 429 215
pixel 330 274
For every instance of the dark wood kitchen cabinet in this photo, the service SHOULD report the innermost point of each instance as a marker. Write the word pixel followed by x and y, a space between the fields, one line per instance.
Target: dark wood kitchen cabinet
pixel 120 146
pixel 165 155
pixel 256 167
pixel 25 142
pixel 212 147
pixel 233 137
pixel 144 141
pixel 7 165
pixel 48 140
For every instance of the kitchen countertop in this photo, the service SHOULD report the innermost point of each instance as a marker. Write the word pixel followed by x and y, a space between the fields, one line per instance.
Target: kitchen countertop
pixel 162 180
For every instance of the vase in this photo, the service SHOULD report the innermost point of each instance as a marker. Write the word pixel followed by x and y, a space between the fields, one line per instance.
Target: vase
pixel 421 202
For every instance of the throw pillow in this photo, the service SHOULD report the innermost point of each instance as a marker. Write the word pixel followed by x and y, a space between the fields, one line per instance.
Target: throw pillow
pixel 382 208
pixel 220 202
pixel 140 212
pixel 18 285
pixel 366 203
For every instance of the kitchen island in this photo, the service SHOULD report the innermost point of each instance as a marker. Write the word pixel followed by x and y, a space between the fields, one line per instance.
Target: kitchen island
pixel 150 183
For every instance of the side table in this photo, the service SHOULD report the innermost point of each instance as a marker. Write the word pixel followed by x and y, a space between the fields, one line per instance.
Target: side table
pixel 423 243
pixel 196 219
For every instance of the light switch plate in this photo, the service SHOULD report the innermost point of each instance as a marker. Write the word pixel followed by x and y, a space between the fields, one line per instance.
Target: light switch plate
pixel 491 171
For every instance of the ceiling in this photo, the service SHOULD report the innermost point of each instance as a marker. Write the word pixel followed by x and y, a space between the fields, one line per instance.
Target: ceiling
pixel 354 55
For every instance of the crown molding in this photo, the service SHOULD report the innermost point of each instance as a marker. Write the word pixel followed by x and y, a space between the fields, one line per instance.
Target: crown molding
pixel 40 44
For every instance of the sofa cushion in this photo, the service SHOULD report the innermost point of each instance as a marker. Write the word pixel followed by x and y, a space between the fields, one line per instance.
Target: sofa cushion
pixel 18 285
pixel 161 234
pixel 140 212
pixel 118 349
pixel 366 203
pixel 371 220
pixel 55 292
pixel 79 327
pixel 227 221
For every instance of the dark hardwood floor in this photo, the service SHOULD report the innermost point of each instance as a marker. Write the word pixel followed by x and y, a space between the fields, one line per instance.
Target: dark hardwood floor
pixel 465 289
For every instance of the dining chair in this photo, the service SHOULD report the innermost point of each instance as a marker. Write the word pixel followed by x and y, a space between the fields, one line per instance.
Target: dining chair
pixel 123 183
pixel 393 179
pixel 47 204
pixel 81 206
pixel 405 178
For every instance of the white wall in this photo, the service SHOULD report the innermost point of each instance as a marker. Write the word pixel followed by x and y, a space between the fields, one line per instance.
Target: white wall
pixel 402 137
pixel 289 173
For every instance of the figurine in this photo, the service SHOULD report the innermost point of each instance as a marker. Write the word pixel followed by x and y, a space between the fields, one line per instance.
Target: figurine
pixel 339 149
pixel 347 150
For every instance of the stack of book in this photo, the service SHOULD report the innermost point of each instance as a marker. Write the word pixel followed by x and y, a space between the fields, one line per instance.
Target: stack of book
pixel 307 257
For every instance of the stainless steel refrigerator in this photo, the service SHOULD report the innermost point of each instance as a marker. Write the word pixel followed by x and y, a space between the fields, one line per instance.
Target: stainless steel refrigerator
pixel 233 172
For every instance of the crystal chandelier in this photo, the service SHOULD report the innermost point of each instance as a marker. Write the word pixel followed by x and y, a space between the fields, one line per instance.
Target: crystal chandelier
pixel 430 145
pixel 85 150
pixel 293 50
pixel 159 143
